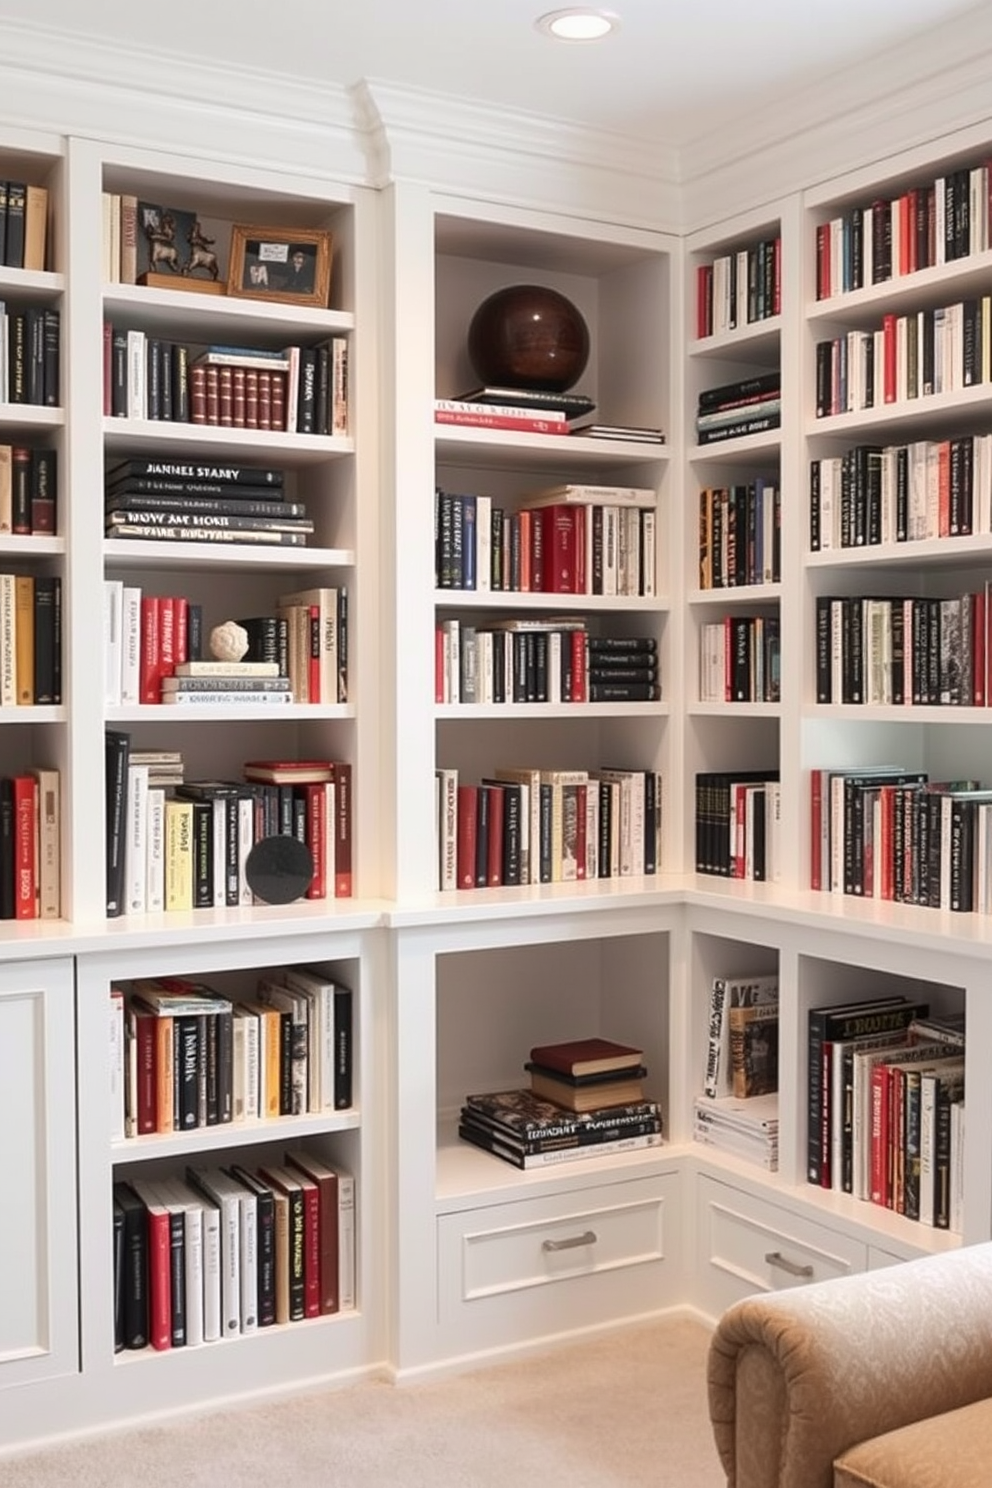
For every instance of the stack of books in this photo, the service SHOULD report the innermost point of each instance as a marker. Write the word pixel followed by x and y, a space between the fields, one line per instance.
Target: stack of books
pixel 587 1074
pixel 749 406
pixel 630 433
pixel 204 682
pixel 522 1129
pixel 745 1128
pixel 177 500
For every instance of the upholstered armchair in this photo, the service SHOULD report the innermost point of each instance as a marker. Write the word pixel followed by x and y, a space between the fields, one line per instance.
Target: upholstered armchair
pixel 879 1380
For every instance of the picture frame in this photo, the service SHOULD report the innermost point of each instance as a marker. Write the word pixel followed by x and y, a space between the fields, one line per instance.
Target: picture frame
pixel 287 264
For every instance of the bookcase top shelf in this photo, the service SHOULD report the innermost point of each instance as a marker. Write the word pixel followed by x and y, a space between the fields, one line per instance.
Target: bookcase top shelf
pixel 184 313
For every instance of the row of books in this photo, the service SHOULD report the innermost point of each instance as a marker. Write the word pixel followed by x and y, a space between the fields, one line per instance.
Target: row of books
pixel 886 1106
pixel 933 223
pixel 891 833
pixel 30 640
pixel 30 845
pixel 28 490
pixel 536 411
pixel 30 355
pixel 571 540
pixel 740 660
pixel 187 845
pixel 740 534
pixel 152 645
pixel 901 493
pixel 187 1057
pixel 739 288
pixel 748 406
pixel 738 824
pixel 541 661
pixel 903 650
pixel 942 349
pixel 296 390
pixel 23 226
pixel 523 826
pixel 216 1253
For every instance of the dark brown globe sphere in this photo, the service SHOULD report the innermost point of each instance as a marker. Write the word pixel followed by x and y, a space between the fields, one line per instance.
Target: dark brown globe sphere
pixel 528 337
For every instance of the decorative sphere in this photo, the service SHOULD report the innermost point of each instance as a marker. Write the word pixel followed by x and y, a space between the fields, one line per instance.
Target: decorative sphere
pixel 228 642
pixel 526 336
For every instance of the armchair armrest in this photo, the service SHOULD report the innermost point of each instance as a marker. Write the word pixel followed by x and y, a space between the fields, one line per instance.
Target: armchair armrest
pixel 798 1377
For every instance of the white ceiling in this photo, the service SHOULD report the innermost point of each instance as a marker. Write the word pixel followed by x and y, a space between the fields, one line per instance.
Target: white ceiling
pixel 675 70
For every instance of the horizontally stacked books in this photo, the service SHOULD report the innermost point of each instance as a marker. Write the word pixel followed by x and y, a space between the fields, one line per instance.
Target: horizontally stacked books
pixel 749 406
pixel 190 501
pixel 737 1111
pixel 586 1099
pixel 536 411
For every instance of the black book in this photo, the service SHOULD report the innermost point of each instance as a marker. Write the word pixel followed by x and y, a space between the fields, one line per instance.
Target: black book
pixel 237 521
pixel 17 195
pixel 652 815
pixel 624 692
pixel 134 1267
pixel 34 332
pixel 265 1240
pixel 322 390
pixel 730 393
pixel 159 495
pixel 180 385
pixel 118 1275
pixel 47 638
pixel 6 848
pixel 43 499
pixel 194 470
pixel 186 1035
pixel 572 404
pixel 343 1047
pixel 117 752
pixel 622 644
pixel 118 374
pixel 18 356
pixel 20 495
pixel 3 221
pixel 177 1274
pixel 222 1025
pixel 203 855
pixel 306 410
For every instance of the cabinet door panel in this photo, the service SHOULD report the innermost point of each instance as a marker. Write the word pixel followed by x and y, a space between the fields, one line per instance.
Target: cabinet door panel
pixel 38 1292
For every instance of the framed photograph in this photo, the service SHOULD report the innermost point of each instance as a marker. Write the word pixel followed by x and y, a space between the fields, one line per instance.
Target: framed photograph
pixel 291 264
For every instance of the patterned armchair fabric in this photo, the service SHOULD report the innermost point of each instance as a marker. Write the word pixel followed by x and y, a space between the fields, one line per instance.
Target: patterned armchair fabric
pixel 799 1378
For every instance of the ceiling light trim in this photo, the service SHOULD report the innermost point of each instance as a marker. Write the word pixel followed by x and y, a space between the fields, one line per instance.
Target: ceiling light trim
pixel 578 23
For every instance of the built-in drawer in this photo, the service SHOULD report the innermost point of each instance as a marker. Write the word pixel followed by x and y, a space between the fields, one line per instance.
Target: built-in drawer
pixel 541 1266
pixel 747 1245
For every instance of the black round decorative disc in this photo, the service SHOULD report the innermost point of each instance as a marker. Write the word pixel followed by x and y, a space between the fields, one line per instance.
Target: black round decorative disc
pixel 279 869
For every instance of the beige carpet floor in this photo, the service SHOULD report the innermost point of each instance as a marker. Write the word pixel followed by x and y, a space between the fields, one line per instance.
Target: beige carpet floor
pixel 624 1411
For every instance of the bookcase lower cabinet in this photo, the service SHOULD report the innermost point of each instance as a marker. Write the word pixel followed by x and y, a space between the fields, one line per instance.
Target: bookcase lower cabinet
pixel 522 1255
pixel 283 1329
pixel 38 1290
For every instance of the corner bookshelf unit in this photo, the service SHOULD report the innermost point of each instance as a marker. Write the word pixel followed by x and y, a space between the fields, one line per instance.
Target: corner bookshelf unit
pixel 610 277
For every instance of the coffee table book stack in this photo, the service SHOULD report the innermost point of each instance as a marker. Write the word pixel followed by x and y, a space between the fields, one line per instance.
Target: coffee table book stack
pixel 585 1100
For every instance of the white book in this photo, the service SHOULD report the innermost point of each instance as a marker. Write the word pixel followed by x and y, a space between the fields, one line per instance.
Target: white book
pixel 155 855
pixel 447 829
pixel 226 1194
pixel 339 385
pixel 117 1081
pixel 278 996
pixel 183 1196
pixel 303 985
pixel 219 804
pixel 484 544
pixel 136 841
pixel 246 841
pixel 213 1312
pixel 137 383
pixel 113 648
pixel 130 627
pixel 957 1167
pixel 245 1039
pixel 249 1258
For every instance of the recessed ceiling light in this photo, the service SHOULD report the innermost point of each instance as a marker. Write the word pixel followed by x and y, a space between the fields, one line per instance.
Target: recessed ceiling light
pixel 578 23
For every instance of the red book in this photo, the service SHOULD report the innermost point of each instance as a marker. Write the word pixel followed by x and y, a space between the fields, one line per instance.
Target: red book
pixel 494 865
pixel 879 1174
pixel 581 831
pixel 525 424
pixel 167 657
pixel 264 399
pixel 823 261
pixel 537 550
pixel 704 300
pixel 560 534
pixel 159 1268
pixel 326 1180
pixel 251 397
pixel 198 395
pixel 150 673
pixel 815 827
pixel 467 830
pixel 226 390
pixel 145 1095
pixel 883 848
pixel 586 1056
pixel 316 819
pixel 180 620
pixel 25 847
pixel 277 400
pixel 826 1115
pixel 213 395
pixel 944 488
pixel 889 358
pixel 311 1245
pixel 239 410
pixel 343 874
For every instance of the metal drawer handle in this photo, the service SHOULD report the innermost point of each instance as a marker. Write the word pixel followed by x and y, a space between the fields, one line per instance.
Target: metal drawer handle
pixel 776 1258
pixel 588 1237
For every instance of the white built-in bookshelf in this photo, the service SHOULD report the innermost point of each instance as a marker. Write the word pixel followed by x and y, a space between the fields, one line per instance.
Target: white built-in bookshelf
pixel 459 1254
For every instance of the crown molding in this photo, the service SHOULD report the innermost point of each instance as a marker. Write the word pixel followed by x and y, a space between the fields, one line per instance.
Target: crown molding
pixel 73 85
pixel 914 92
pixel 463 147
